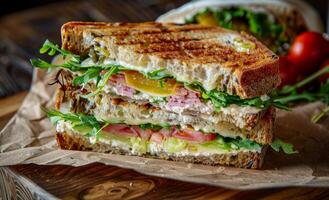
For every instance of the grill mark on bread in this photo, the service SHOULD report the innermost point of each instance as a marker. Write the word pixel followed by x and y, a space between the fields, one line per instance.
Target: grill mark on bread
pixel 209 50
pixel 151 32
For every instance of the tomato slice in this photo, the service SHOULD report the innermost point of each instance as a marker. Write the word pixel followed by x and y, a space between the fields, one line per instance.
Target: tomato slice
pixel 120 129
pixel 141 83
pixel 157 137
pixel 135 131
pixel 195 136
pixel 144 134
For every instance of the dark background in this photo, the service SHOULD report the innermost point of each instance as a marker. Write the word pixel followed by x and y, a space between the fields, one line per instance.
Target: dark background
pixel 9 6
pixel 25 24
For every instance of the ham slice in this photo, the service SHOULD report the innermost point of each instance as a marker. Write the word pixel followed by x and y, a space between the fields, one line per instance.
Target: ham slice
pixel 118 82
pixel 159 136
pixel 184 98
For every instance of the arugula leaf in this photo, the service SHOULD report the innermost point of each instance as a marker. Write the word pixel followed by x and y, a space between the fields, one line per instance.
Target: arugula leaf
pixel 90 74
pixel 72 66
pixel 89 120
pixel 222 99
pixel 154 127
pixel 290 89
pixel 287 148
pixel 316 118
pixel 76 120
pixel 290 94
pixel 55 115
pixel 103 80
pixel 158 74
pixel 51 48
pixel 247 144
pixel 41 64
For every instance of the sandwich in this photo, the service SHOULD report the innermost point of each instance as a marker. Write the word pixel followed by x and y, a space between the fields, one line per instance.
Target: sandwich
pixel 192 93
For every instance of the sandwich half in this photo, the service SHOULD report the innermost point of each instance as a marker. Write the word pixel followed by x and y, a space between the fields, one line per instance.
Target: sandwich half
pixel 190 93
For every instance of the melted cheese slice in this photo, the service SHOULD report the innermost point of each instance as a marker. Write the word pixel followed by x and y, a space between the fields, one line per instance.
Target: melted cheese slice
pixel 141 83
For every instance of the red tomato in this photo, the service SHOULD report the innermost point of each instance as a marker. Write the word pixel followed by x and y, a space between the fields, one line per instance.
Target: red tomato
pixel 288 71
pixel 195 136
pixel 308 50
pixel 120 129
pixel 144 134
pixel 157 137
pixel 324 77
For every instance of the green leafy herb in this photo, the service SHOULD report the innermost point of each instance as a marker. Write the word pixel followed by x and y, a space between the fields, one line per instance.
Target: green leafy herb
pixel 222 99
pixel 104 79
pixel 76 120
pixel 161 82
pixel 290 94
pixel 158 74
pixel 41 64
pixel 51 48
pixel 316 118
pixel 154 127
pixel 229 144
pixel 246 144
pixel 91 73
pixel 287 148
pixel 293 88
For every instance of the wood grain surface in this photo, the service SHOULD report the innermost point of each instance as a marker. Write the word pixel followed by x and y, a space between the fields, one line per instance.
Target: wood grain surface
pixel 28 30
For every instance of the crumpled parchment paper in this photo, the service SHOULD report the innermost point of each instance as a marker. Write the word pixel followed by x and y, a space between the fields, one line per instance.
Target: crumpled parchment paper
pixel 29 138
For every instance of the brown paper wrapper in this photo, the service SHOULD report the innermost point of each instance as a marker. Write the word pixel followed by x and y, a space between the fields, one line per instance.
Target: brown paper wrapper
pixel 30 138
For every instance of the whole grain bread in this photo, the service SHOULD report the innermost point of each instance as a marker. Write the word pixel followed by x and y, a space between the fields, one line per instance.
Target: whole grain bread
pixel 217 58
pixel 242 159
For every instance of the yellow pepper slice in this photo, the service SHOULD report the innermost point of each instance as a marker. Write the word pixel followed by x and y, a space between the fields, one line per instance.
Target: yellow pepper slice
pixel 138 81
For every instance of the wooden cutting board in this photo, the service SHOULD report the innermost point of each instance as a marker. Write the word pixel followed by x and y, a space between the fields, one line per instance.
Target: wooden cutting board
pixel 98 181
pixel 27 30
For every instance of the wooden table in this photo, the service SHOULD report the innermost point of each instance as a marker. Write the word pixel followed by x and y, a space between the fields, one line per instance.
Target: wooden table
pixel 27 30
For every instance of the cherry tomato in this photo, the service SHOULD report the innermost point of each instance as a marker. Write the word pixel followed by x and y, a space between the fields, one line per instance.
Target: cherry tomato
pixel 288 71
pixel 324 77
pixel 308 51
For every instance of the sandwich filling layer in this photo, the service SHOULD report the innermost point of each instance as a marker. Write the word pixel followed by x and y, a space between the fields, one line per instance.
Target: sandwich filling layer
pixel 106 106
pixel 140 140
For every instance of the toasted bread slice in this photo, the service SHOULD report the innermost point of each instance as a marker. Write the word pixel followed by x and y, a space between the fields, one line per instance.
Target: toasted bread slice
pixel 217 58
pixel 243 159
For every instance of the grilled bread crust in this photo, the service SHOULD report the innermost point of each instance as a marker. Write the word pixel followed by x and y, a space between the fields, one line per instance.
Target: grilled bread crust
pixel 250 159
pixel 209 55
